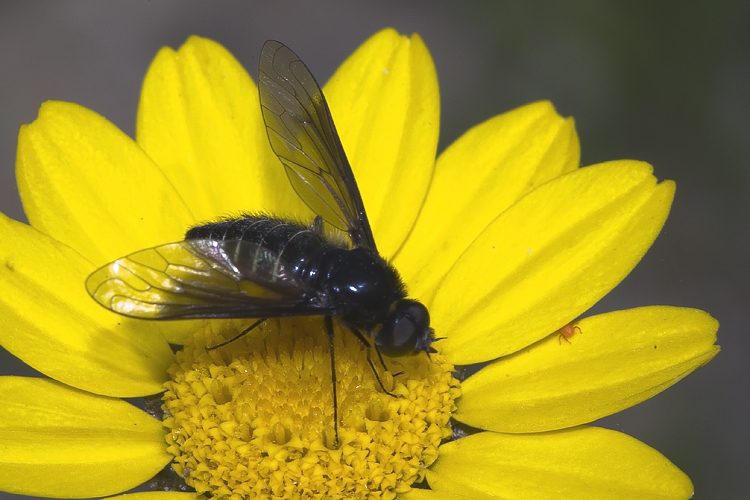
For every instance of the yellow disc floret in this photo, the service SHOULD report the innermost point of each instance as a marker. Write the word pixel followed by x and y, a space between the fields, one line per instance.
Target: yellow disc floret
pixel 254 418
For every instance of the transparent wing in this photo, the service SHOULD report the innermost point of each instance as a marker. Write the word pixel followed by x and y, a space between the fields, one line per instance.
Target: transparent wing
pixel 202 279
pixel 303 136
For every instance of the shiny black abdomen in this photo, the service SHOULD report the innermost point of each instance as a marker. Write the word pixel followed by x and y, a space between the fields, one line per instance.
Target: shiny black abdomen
pixel 294 243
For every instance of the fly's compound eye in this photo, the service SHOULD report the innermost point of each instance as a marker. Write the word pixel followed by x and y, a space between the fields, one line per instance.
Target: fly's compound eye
pixel 406 330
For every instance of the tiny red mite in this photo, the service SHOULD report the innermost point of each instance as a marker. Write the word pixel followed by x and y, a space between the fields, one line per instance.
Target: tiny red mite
pixel 566 332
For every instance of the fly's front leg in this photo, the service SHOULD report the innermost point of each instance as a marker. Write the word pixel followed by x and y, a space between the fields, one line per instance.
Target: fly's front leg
pixel 367 345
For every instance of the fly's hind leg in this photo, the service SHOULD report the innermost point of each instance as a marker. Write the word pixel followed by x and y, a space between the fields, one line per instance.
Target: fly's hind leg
pixel 238 336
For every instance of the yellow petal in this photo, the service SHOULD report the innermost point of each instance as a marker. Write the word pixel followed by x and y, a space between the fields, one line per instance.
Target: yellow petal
pixel 385 104
pixel 548 258
pixel 51 323
pixel 425 494
pixel 477 178
pixel 88 185
pixel 615 361
pixel 62 443
pixel 579 463
pixel 199 119
pixel 157 495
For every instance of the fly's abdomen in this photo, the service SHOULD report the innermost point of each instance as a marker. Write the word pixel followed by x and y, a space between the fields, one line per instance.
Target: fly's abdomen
pixel 291 243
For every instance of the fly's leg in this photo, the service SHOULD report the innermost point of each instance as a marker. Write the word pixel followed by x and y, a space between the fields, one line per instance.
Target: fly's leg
pixel 369 360
pixel 329 330
pixel 238 336
pixel 385 367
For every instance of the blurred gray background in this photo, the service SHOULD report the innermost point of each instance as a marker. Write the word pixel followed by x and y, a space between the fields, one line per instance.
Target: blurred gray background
pixel 664 82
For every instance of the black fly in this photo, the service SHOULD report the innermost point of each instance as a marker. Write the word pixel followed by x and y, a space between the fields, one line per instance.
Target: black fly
pixel 261 266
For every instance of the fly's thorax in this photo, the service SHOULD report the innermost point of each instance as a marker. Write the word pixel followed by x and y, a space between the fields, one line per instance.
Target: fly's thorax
pixel 362 286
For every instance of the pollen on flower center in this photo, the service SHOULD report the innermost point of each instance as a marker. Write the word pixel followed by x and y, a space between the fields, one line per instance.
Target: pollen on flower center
pixel 254 419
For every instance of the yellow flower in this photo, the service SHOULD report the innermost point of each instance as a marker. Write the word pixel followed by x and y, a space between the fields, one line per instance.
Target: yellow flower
pixel 503 237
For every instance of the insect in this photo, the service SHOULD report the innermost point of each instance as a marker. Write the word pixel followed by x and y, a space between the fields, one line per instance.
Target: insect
pixel 566 332
pixel 261 266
